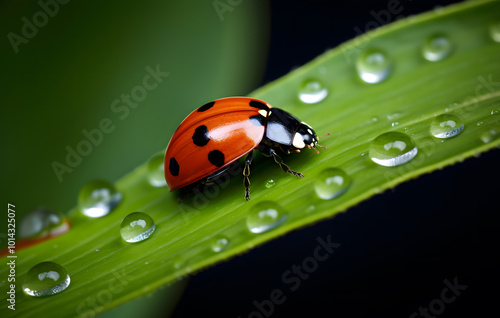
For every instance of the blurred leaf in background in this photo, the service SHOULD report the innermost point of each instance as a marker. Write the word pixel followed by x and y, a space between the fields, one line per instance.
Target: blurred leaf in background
pixel 89 90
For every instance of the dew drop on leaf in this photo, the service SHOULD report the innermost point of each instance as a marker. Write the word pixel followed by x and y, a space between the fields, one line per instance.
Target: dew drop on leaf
pixel 265 216
pixel 373 66
pixel 392 149
pixel 446 126
pixel 331 183
pixel 436 48
pixel 312 91
pixel 495 31
pixel 156 171
pixel 219 243
pixel 136 227
pixel 45 279
pixel 43 222
pixel 97 198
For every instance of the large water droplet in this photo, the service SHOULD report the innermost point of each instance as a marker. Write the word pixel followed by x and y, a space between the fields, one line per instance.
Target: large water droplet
pixel 156 171
pixel 331 183
pixel 495 31
pixel 446 126
pixel 265 216
pixel 219 243
pixel 392 149
pixel 136 227
pixel 46 278
pixel 43 223
pixel 373 66
pixel 436 48
pixel 97 198
pixel 312 91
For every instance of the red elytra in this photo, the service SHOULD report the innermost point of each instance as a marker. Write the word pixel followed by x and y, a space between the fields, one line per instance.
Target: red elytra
pixel 223 131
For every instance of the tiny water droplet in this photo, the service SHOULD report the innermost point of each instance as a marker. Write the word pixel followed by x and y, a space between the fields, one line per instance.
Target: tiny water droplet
pixel 331 183
pixel 43 222
pixel 136 227
pixel 97 198
pixel 393 116
pixel 45 279
pixel 156 171
pixel 312 91
pixel 373 66
pixel 265 216
pixel 436 47
pixel 219 243
pixel 394 123
pixel 392 149
pixel 446 126
pixel 488 136
pixel 495 112
pixel 495 31
pixel 479 123
pixel 374 119
pixel 270 183
pixel 97 249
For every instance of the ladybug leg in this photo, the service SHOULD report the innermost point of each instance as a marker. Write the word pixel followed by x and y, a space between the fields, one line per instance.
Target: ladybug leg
pixel 282 164
pixel 246 175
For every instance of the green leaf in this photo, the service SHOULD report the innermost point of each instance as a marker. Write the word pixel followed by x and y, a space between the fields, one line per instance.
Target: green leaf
pixel 464 83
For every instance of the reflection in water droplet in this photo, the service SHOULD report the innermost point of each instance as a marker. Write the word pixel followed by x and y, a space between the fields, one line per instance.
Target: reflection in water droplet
pixel 219 243
pixel 44 279
pixel 270 183
pixel 43 223
pixel 136 227
pixel 331 183
pixel 373 66
pixel 156 171
pixel 446 126
pixel 265 216
pixel 436 47
pixel 392 149
pixel 97 198
pixel 312 91
pixel 495 31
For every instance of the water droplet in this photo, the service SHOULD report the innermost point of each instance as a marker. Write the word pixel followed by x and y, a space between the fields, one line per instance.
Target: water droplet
pixel 436 47
pixel 331 183
pixel 136 227
pixel 394 123
pixel 495 112
pixel 495 31
pixel 488 136
pixel 446 126
pixel 265 216
pixel 97 198
pixel 156 171
pixel 392 149
pixel 312 91
pixel 219 243
pixel 46 278
pixel 479 123
pixel 373 66
pixel 43 223
pixel 374 119
pixel 97 249
pixel 270 183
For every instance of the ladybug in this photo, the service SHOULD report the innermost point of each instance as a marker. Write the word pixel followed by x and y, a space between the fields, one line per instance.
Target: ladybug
pixel 217 134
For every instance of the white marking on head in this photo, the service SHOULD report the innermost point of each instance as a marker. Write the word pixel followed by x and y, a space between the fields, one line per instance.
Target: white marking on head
pixel 298 141
pixel 263 112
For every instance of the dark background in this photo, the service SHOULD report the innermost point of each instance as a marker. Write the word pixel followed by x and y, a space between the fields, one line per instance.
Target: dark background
pixel 396 249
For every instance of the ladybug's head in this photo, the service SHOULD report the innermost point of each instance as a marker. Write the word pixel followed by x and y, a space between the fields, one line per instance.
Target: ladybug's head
pixel 304 137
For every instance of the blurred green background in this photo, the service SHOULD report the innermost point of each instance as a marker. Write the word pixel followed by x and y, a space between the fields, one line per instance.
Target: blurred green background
pixel 75 69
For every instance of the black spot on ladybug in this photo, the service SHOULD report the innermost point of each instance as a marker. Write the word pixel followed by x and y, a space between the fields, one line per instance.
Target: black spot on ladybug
pixel 216 158
pixel 205 107
pixel 200 136
pixel 258 105
pixel 257 120
pixel 173 167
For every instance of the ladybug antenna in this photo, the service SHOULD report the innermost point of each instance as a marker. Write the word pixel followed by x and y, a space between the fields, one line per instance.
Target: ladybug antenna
pixel 311 147
pixel 321 146
pixel 327 134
